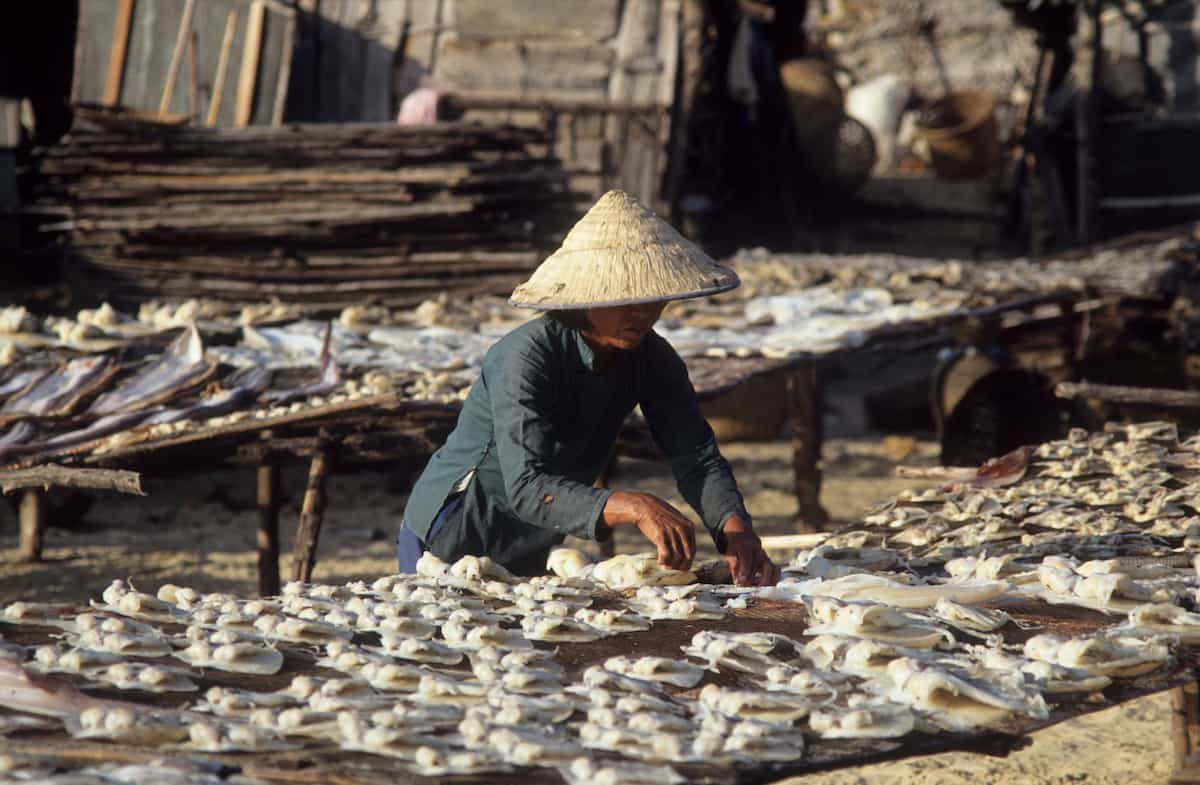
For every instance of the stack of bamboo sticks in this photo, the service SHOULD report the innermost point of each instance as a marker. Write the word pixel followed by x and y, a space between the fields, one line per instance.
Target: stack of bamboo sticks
pixel 327 215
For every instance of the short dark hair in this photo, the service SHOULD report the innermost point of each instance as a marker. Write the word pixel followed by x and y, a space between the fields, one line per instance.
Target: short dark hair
pixel 575 318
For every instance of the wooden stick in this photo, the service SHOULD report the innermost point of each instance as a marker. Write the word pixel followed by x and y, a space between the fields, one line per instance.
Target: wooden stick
pixel 1179 726
pixel 193 80
pixel 116 59
pixel 51 475
pixel 214 103
pixel 181 39
pixel 33 524
pixel 1191 706
pixel 285 71
pixel 312 512
pixel 786 542
pixel 1153 396
pixel 248 76
pixel 268 529
pixel 939 473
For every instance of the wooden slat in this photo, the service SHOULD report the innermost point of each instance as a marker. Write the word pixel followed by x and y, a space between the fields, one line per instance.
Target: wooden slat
pixel 214 105
pixel 120 48
pixel 248 75
pixel 181 41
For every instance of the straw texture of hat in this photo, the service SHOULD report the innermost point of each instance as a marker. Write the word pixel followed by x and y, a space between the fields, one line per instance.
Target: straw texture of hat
pixel 621 253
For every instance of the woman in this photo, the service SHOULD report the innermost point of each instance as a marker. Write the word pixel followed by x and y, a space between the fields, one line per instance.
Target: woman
pixel 516 475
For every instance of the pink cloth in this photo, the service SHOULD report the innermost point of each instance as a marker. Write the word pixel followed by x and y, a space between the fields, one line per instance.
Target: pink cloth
pixel 420 107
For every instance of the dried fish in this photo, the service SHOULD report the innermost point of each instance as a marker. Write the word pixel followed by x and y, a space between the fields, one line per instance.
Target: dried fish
pixel 958 702
pixel 585 771
pixel 567 563
pixel 232 657
pixel 121 643
pixel 875 720
pixel 233 737
pixel 329 378
pixel 422 651
pixel 138 676
pixel 182 366
pixel 61 392
pixel 661 669
pixel 240 390
pixel 123 723
pixel 1107 655
pixel 612 621
pixel 641 569
pixel 556 629
pixel 876 588
pixel 968 618
pixel 1166 618
pixel 767 707
pixel 42 614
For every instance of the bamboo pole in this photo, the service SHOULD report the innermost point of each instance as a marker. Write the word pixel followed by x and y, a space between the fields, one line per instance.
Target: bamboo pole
pixel 33 524
pixel 214 103
pixel 268 529
pixel 312 513
pixel 1153 396
pixel 181 39
pixel 248 76
pixel 193 80
pixel 116 59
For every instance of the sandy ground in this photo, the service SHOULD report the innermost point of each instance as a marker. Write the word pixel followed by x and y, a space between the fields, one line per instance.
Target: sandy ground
pixel 200 532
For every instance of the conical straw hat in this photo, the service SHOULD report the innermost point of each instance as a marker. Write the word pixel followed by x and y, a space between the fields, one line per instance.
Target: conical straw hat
pixel 620 253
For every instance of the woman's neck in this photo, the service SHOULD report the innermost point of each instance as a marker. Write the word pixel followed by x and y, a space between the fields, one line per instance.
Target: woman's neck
pixel 603 357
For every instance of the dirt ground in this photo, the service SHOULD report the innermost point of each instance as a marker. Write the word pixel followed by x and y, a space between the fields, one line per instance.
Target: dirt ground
pixel 200 532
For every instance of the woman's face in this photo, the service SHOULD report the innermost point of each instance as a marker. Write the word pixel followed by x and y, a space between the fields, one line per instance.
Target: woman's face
pixel 621 327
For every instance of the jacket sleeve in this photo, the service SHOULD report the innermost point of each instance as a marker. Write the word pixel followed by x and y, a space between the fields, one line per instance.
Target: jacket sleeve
pixel 523 395
pixel 704 477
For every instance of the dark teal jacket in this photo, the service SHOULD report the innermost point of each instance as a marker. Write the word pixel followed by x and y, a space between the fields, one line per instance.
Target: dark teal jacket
pixel 538 427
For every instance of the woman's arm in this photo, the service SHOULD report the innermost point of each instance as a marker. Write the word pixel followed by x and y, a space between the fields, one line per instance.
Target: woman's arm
pixel 673 535
pixel 704 477
pixel 522 389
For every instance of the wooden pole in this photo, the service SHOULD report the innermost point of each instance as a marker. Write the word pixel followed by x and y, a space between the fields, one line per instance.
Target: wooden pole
pixel 312 513
pixel 1153 396
pixel 193 81
pixel 1086 127
pixel 248 76
pixel 214 103
pixel 1185 723
pixel 805 396
pixel 120 48
pixel 792 542
pixel 268 529
pixel 181 40
pixel 33 524
pixel 49 475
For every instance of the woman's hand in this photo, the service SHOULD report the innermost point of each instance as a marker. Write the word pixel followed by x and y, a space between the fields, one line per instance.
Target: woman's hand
pixel 673 535
pixel 748 562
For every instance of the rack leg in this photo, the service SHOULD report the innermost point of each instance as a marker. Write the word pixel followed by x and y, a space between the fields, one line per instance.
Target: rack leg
pixel 268 529
pixel 805 394
pixel 33 524
pixel 1185 732
pixel 312 513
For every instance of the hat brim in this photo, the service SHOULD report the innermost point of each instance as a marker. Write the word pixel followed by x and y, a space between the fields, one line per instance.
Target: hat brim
pixel 732 282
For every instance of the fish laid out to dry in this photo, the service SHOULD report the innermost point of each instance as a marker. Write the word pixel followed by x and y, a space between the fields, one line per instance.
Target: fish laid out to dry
pixel 61 392
pixel 239 390
pixel 329 378
pixel 181 367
